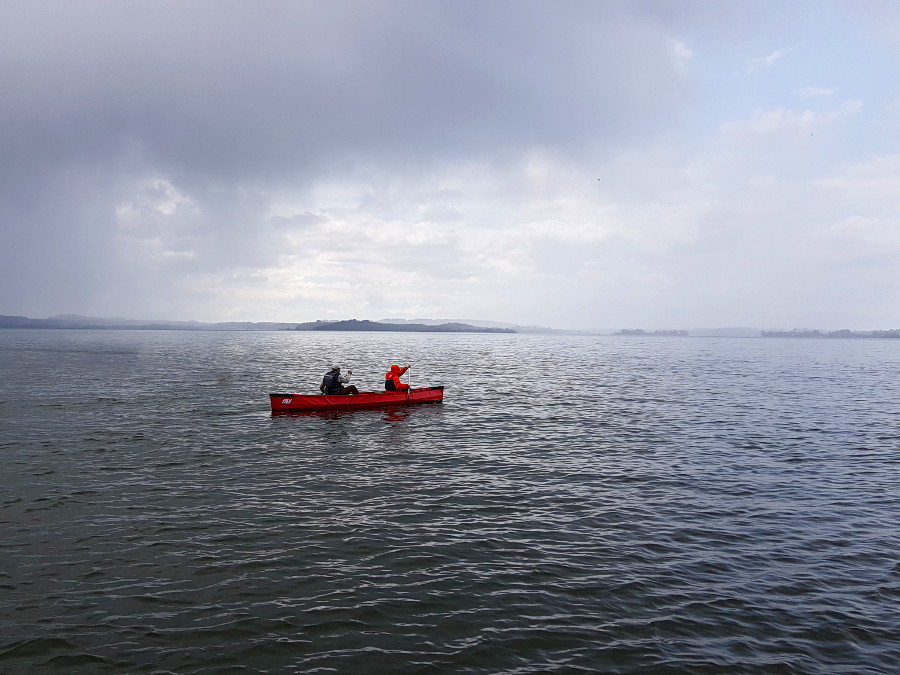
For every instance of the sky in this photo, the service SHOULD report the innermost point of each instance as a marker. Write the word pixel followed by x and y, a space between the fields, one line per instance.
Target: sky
pixel 657 164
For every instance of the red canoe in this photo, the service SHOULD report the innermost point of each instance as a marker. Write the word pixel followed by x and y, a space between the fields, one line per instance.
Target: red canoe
pixel 365 399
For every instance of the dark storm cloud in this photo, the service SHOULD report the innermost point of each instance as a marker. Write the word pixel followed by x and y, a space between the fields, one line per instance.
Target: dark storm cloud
pixel 237 91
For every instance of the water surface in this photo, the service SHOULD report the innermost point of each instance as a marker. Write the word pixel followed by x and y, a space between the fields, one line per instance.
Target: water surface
pixel 577 504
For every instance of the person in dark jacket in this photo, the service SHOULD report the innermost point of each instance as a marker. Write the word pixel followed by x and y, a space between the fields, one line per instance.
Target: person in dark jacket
pixel 392 379
pixel 333 382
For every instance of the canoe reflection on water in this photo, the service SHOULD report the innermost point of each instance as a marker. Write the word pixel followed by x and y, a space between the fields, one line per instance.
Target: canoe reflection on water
pixel 392 415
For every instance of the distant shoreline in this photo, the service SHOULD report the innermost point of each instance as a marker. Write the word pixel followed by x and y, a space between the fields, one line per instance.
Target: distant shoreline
pixel 804 334
pixel 91 323
pixel 77 322
pixel 834 334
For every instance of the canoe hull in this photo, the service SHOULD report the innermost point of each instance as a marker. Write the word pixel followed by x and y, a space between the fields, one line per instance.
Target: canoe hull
pixel 284 403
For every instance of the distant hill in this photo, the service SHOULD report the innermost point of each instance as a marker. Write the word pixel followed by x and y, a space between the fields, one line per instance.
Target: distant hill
pixel 74 321
pixel 653 333
pixel 435 322
pixel 355 325
pixel 724 332
pixel 480 323
pixel 694 332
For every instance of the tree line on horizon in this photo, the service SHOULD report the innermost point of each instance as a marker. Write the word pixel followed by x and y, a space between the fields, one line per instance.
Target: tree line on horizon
pixel 72 321
pixel 366 325
pixel 843 333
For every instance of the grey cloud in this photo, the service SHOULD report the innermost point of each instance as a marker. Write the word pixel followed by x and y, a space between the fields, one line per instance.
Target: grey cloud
pixel 231 93
pixel 236 104
pixel 217 95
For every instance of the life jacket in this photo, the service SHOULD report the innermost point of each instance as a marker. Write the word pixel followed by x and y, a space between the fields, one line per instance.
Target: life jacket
pixel 331 382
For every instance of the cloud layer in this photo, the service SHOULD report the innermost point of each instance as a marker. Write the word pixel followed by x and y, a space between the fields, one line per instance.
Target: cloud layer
pixel 578 164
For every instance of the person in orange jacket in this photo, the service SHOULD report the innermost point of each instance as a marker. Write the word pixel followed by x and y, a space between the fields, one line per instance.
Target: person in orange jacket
pixel 392 379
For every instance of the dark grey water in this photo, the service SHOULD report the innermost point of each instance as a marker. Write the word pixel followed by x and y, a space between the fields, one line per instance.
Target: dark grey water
pixel 578 504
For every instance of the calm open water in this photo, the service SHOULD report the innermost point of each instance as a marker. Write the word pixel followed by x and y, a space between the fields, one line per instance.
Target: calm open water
pixel 578 504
